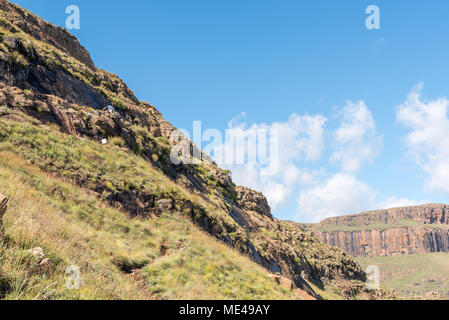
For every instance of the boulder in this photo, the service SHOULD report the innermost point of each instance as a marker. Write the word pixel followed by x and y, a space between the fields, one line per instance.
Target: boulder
pixel 45 265
pixel 3 207
pixel 38 253
pixel 285 283
pixel 164 205
pixel 11 43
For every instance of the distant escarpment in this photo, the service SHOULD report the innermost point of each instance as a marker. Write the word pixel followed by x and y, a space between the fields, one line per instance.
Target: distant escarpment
pixel 408 230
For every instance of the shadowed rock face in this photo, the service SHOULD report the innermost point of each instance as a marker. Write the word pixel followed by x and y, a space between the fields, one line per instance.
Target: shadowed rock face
pixel 409 230
pixel 251 200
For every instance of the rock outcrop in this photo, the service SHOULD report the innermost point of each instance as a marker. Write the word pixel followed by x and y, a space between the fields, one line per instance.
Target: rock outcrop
pixel 254 201
pixel 3 207
pixel 408 230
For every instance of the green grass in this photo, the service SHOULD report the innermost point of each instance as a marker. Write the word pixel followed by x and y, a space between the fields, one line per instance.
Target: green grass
pixel 94 165
pixel 413 275
pixel 54 58
pixel 73 227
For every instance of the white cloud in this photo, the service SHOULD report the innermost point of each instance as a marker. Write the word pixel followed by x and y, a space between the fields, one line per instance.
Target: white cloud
pixel 428 140
pixel 394 202
pixel 356 140
pixel 319 193
pixel 300 139
pixel 340 194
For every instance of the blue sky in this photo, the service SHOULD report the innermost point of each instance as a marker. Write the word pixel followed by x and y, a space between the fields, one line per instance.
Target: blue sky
pixel 285 64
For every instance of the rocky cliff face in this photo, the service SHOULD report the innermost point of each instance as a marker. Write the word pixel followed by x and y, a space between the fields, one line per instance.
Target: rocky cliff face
pixel 48 80
pixel 254 201
pixel 409 230
pixel 14 17
pixel 394 241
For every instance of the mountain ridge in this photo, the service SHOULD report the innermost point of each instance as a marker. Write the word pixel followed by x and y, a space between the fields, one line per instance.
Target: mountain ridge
pixel 404 230
pixel 52 114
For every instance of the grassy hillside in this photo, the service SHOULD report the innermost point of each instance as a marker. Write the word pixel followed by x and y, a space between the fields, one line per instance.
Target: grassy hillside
pixel 174 258
pixel 123 211
pixel 413 275
pixel 109 169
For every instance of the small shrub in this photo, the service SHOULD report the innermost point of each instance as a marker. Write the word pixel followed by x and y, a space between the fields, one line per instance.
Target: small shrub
pixel 163 141
pixel 117 142
pixel 18 58
pixel 127 264
pixel 120 105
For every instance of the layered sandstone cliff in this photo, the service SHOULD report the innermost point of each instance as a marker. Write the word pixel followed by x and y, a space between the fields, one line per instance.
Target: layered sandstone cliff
pixel 408 230
pixel 426 214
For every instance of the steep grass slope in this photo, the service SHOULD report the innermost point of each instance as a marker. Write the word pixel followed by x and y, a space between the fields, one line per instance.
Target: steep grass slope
pixel 119 258
pixel 80 159
pixel 52 100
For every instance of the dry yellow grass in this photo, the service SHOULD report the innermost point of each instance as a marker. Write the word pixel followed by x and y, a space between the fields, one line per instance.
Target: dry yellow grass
pixel 75 228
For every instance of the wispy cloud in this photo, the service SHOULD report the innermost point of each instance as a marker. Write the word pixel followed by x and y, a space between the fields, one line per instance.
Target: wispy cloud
pixel 356 140
pixel 428 140
pixel 340 194
pixel 319 191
